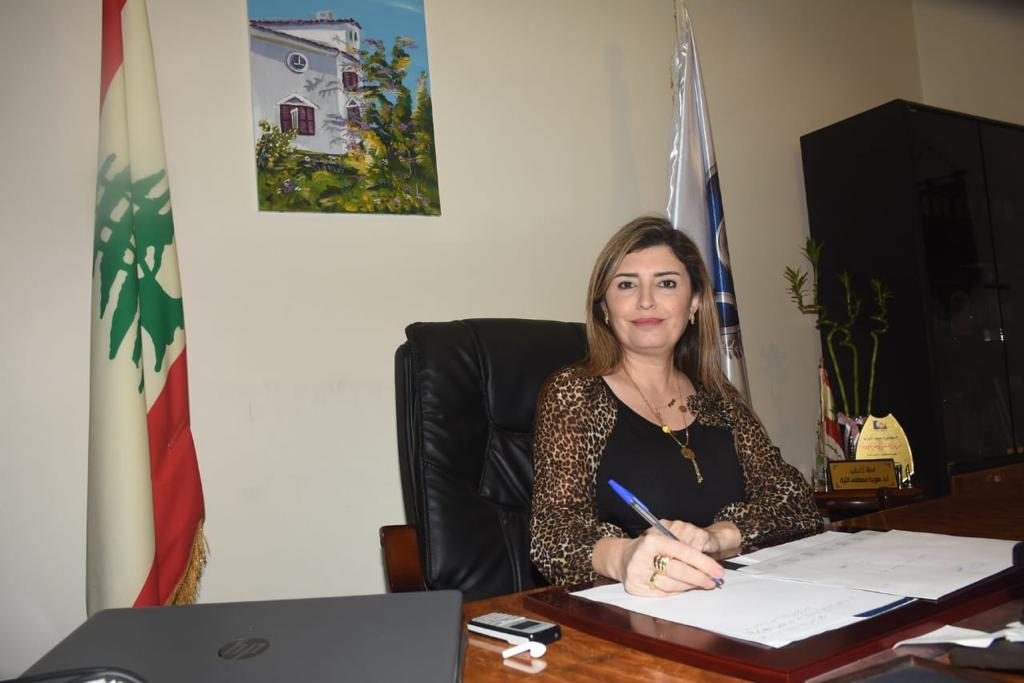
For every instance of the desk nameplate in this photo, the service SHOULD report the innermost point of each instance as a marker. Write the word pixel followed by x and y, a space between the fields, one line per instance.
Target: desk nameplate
pixel 862 474
pixel 795 662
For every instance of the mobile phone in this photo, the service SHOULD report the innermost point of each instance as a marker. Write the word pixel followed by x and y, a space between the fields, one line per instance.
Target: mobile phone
pixel 502 625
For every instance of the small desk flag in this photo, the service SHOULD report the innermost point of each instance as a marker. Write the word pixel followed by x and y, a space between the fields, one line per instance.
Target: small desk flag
pixel 694 198
pixel 831 436
pixel 144 543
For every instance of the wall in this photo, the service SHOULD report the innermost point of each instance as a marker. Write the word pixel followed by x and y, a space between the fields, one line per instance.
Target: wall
pixel 552 120
pixel 46 204
pixel 972 56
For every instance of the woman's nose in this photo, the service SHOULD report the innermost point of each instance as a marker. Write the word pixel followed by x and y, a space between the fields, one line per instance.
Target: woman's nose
pixel 646 297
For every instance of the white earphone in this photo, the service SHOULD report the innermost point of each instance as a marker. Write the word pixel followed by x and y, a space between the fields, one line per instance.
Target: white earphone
pixel 536 649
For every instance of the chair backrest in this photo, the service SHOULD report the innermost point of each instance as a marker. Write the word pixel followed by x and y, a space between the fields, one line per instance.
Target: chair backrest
pixel 466 392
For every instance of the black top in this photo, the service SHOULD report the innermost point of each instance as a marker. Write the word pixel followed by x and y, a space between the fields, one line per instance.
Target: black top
pixel 641 457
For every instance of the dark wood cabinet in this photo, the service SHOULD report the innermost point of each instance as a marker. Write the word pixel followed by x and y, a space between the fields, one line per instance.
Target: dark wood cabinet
pixel 932 202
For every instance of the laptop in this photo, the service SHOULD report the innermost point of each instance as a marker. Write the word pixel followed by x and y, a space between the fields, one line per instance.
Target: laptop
pixel 393 637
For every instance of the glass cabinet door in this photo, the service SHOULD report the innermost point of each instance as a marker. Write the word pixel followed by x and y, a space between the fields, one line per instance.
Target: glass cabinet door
pixel 964 317
pixel 1003 149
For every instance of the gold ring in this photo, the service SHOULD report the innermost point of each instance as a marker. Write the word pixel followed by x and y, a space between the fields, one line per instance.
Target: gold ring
pixel 661 564
pixel 650 581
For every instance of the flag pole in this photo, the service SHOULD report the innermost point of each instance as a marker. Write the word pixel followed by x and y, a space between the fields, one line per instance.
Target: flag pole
pixel 694 195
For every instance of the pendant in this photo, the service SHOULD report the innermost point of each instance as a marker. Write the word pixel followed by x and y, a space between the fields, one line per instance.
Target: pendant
pixel 688 453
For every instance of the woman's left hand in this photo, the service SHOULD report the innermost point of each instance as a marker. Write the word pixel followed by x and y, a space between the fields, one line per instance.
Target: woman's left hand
pixel 719 537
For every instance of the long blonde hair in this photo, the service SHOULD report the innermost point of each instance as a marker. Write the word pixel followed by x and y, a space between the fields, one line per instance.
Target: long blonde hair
pixel 697 353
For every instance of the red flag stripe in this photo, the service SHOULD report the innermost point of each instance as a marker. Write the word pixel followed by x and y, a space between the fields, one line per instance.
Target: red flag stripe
pixel 112 52
pixel 177 489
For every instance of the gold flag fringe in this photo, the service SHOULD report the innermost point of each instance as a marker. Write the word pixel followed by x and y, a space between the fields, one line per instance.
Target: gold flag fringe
pixel 187 590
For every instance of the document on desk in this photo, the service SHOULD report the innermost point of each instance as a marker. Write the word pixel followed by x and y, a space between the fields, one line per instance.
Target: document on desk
pixel 905 563
pixel 800 545
pixel 765 611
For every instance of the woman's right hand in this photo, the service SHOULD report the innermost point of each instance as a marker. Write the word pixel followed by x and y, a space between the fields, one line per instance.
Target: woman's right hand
pixel 631 561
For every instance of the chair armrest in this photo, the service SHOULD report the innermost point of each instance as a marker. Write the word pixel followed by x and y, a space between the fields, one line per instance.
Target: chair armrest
pixel 402 567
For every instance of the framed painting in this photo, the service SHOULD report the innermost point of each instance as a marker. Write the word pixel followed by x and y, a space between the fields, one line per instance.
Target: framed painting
pixel 341 108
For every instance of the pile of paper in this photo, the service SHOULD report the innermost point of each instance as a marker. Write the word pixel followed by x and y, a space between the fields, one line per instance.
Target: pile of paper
pixel 797 590
pixel 765 611
pixel 907 563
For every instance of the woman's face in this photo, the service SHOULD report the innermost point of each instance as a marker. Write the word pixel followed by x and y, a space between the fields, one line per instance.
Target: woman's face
pixel 649 301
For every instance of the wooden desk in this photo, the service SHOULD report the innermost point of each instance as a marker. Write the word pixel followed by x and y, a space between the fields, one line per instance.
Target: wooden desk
pixel 1007 478
pixel 976 514
pixel 843 504
pixel 582 657
pixel 578 658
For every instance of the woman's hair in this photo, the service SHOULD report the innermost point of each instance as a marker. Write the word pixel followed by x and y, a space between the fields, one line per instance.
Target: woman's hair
pixel 697 351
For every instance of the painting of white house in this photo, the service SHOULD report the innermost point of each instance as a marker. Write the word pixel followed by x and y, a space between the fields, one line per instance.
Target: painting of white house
pixel 342 116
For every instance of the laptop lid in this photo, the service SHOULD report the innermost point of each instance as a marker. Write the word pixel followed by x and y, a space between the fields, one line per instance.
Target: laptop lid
pixel 392 637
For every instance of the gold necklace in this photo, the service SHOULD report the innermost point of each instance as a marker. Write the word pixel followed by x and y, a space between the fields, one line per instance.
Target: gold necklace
pixel 684 448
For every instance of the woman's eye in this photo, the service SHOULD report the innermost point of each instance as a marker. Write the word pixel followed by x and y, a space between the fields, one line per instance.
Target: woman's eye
pixel 667 284
pixel 626 284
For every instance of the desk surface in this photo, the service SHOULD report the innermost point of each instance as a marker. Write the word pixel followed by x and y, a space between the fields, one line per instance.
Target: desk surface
pixel 583 658
pixel 868 500
pixel 580 656
pixel 985 516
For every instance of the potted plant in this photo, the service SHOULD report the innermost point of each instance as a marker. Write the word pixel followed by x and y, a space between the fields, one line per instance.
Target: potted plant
pixel 838 333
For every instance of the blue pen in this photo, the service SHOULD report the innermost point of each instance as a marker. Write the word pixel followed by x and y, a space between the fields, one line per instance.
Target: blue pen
pixel 641 509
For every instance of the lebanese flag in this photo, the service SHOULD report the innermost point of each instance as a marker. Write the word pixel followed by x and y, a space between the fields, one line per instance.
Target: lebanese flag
pixel 145 543
pixel 831 437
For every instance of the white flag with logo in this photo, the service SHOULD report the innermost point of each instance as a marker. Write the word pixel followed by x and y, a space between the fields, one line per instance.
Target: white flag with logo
pixel 694 198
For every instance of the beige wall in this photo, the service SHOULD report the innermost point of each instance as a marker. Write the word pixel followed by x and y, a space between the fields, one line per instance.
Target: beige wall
pixel 552 119
pixel 972 56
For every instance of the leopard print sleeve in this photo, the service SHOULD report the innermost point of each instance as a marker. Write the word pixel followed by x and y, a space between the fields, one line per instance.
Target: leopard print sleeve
pixel 780 505
pixel 574 418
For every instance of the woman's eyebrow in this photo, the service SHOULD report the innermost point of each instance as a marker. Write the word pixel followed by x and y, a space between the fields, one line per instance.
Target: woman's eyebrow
pixel 659 274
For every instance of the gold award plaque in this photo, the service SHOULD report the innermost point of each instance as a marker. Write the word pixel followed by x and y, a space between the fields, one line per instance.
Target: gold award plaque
pixel 862 474
pixel 882 438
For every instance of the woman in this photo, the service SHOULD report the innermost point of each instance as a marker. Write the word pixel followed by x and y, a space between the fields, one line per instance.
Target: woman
pixel 650 408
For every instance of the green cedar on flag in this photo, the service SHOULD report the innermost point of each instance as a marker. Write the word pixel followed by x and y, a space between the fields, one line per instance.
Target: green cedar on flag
pixel 145 542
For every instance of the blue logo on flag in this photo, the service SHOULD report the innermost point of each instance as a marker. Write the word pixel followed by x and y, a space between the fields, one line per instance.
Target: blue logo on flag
pixel 721 273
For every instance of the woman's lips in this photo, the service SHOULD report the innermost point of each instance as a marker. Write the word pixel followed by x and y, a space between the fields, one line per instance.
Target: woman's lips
pixel 647 322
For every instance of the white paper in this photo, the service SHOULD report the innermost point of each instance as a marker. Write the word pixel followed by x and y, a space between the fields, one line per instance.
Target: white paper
pixel 907 563
pixel 798 546
pixel 952 634
pixel 760 610
pixel 816 584
pixel 1014 632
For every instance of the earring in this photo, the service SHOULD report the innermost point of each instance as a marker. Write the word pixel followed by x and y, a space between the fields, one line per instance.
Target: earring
pixel 606 319
pixel 692 313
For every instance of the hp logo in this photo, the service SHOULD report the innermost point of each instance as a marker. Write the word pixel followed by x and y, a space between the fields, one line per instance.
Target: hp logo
pixel 243 648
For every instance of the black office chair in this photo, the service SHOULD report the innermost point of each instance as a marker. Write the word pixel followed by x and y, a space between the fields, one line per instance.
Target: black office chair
pixel 465 395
